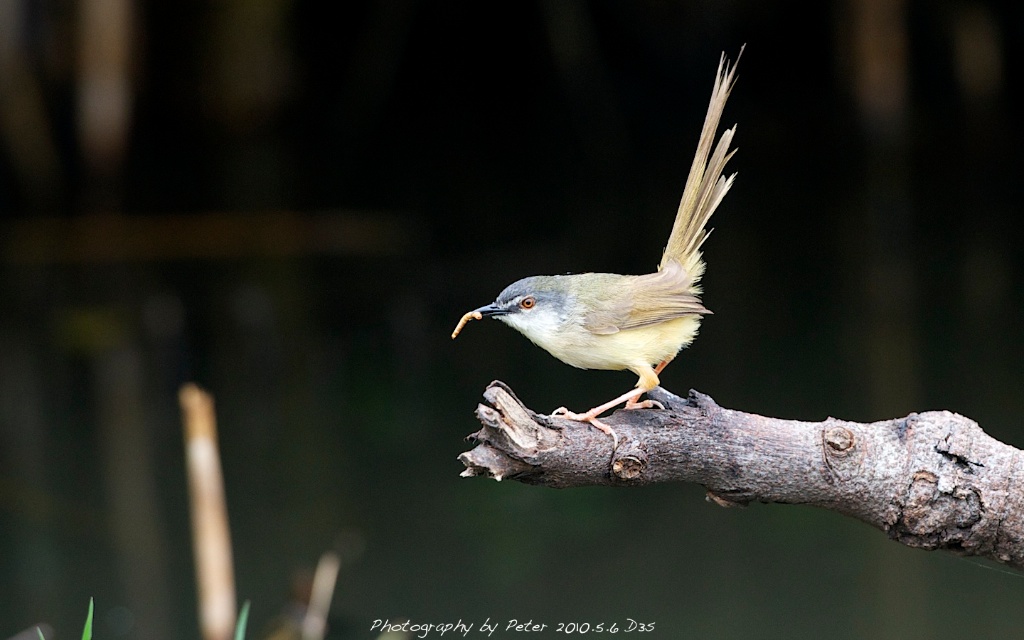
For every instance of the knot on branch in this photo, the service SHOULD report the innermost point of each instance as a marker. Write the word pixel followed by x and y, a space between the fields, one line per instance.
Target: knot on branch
pixel 630 460
pixel 839 451
pixel 935 519
pixel 839 440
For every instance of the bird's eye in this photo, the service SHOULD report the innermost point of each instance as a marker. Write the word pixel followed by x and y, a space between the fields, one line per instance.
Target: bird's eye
pixel 528 302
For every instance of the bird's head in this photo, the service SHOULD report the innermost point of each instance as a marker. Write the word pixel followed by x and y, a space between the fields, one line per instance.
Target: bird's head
pixel 536 307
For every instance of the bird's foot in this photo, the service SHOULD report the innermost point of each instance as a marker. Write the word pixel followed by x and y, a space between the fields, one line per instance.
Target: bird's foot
pixel 589 417
pixel 646 404
pixel 631 402
pixel 562 412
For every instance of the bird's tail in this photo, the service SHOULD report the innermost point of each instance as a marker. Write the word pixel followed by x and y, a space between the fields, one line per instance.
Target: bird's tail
pixel 705 186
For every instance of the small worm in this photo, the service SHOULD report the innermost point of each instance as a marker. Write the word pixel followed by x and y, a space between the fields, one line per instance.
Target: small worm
pixel 472 315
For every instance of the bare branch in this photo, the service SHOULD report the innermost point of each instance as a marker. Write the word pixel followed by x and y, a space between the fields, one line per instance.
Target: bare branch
pixel 933 480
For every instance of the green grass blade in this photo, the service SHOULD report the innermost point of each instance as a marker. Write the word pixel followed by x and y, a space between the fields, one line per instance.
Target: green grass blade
pixel 40 632
pixel 87 631
pixel 243 617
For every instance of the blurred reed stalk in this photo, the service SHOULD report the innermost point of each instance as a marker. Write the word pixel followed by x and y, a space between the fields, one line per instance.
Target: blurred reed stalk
pixel 211 539
pixel 314 625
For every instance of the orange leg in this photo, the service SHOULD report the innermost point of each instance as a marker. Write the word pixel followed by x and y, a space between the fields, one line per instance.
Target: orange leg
pixel 630 398
pixel 648 404
pixel 600 426
pixel 661 367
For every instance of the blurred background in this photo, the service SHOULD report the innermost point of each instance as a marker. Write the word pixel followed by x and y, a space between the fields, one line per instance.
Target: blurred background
pixel 292 203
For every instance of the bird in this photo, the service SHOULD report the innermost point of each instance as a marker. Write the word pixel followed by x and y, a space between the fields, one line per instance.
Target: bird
pixel 639 323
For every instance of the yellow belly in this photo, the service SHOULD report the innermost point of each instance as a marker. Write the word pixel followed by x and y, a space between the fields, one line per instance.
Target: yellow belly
pixel 632 348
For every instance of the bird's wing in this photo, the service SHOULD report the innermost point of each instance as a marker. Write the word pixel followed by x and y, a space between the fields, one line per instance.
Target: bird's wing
pixel 646 300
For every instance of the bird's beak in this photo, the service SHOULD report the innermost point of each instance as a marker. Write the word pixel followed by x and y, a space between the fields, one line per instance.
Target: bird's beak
pixel 479 314
pixel 491 310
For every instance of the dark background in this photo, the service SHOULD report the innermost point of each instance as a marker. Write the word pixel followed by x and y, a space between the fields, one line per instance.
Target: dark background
pixel 295 202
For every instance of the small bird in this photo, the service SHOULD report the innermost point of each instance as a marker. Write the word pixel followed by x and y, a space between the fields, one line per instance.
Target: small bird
pixel 615 322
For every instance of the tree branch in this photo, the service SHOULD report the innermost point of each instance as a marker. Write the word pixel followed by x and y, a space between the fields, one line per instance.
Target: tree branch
pixel 933 480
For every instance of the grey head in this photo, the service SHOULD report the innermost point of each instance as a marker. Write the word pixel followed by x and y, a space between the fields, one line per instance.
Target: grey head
pixel 535 306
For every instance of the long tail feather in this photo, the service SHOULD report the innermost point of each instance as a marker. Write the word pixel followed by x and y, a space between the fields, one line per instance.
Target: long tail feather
pixel 705 186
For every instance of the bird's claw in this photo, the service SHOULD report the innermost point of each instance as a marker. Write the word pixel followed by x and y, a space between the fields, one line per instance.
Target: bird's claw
pixel 646 404
pixel 562 412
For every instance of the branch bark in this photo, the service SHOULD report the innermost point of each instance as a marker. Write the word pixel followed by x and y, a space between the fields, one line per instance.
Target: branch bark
pixel 932 480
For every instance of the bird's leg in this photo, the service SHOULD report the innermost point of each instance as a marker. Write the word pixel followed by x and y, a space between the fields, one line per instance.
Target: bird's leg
pixel 648 404
pixel 636 403
pixel 661 367
pixel 591 416
pixel 600 426
pixel 648 380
